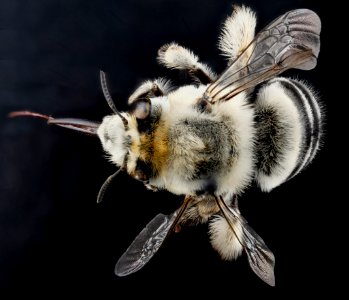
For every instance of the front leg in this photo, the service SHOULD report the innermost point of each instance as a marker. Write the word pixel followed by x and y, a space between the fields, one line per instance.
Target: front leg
pixel 139 101
pixel 150 89
pixel 174 56
pixel 150 186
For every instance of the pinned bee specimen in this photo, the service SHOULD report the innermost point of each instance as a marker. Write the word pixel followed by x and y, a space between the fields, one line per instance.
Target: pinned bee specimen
pixel 211 139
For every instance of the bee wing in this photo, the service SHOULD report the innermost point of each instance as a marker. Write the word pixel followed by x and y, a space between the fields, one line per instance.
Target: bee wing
pixel 260 258
pixel 148 242
pixel 145 245
pixel 290 41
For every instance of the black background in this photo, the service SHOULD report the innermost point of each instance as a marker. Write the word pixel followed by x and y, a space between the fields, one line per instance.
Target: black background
pixel 54 236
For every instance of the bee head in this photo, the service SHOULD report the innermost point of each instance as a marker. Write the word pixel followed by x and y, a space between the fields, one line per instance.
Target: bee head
pixel 121 138
pixel 119 133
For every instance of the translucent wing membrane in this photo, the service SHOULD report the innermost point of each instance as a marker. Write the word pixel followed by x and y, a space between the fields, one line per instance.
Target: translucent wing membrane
pixel 260 258
pixel 150 239
pixel 145 245
pixel 290 41
pixel 148 242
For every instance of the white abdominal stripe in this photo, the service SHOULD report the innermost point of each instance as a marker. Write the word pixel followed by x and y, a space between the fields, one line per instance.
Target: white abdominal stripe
pixel 289 130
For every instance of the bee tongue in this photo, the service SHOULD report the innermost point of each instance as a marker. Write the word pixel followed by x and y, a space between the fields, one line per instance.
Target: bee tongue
pixel 84 126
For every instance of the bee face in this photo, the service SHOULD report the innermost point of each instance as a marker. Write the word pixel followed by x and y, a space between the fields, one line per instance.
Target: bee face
pixel 115 138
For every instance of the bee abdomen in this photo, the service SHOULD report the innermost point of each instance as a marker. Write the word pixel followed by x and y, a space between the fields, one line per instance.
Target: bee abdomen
pixel 289 127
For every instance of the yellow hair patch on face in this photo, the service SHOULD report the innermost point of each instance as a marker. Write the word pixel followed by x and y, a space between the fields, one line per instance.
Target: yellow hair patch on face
pixel 153 148
pixel 161 149
pixel 134 151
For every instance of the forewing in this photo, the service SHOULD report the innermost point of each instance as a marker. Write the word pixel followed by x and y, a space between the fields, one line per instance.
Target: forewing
pixel 260 258
pixel 145 245
pixel 290 41
pixel 148 242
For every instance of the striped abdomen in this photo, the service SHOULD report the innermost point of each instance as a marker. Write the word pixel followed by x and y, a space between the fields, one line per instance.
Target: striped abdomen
pixel 288 121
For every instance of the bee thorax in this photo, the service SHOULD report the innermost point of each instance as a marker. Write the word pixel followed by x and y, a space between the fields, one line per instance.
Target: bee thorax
pixel 206 151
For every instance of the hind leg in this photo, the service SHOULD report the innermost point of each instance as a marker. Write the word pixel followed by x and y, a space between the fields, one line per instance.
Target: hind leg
pixel 237 33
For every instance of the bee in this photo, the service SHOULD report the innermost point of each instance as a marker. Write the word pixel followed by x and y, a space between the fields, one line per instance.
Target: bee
pixel 211 139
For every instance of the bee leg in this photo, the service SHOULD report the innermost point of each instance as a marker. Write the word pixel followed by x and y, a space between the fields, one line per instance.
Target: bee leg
pixel 174 56
pixel 237 33
pixel 139 101
pixel 150 187
pixel 235 204
pixel 150 89
pixel 178 228
pixel 200 209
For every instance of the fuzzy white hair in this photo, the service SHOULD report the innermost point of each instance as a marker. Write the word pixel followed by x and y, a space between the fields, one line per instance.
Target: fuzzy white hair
pixel 163 84
pixel 174 56
pixel 238 32
pixel 241 115
pixel 275 96
pixel 112 136
pixel 224 239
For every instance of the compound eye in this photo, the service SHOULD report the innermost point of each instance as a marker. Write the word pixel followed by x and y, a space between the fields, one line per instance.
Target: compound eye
pixel 141 109
pixel 142 171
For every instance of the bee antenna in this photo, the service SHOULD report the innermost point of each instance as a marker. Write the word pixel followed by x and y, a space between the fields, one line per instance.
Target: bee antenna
pixel 109 99
pixel 105 186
